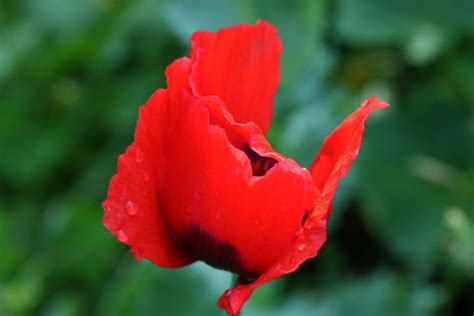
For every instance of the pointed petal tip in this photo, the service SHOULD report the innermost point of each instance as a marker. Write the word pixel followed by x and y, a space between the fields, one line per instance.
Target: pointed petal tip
pixel 225 305
pixel 374 103
pixel 229 305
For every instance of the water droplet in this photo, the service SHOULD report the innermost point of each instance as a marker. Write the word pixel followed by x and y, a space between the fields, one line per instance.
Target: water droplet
pixel 189 210
pixel 146 176
pixel 301 247
pixel 122 236
pixel 218 214
pixel 131 208
pixel 139 156
pixel 256 221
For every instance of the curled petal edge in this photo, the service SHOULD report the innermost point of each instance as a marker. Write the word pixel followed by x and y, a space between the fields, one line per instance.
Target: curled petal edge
pixel 240 65
pixel 312 236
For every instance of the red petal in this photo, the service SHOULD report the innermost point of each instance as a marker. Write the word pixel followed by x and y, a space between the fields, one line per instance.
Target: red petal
pixel 340 148
pixel 131 208
pixel 239 64
pixel 210 199
pixel 331 163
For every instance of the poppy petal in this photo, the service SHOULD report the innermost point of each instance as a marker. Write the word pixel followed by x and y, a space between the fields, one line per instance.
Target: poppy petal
pixel 132 213
pixel 239 64
pixel 331 163
pixel 341 147
pixel 229 161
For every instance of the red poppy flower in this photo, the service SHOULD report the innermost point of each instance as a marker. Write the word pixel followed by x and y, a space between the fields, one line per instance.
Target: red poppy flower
pixel 201 182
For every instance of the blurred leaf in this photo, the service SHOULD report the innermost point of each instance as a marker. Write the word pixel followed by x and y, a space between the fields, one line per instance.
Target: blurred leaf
pixel 63 305
pixel 404 204
pixel 372 22
pixel 141 288
pixel 381 293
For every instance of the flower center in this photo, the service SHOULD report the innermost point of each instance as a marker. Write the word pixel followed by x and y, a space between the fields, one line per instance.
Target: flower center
pixel 260 164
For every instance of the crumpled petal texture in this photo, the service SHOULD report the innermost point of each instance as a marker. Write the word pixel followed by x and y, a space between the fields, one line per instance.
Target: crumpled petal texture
pixel 332 162
pixel 240 65
pixel 201 182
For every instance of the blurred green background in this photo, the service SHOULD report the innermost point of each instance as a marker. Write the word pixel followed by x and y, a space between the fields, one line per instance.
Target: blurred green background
pixel 401 235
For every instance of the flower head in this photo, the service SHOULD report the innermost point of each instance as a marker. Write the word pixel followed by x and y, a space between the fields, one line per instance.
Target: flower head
pixel 201 182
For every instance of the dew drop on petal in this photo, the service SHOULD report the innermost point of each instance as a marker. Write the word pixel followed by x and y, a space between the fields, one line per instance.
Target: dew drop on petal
pixel 146 176
pixel 122 236
pixel 131 208
pixel 189 210
pixel 256 221
pixel 301 247
pixel 139 156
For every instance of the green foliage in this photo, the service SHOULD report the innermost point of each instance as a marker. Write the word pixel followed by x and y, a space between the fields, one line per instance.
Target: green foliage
pixel 401 238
